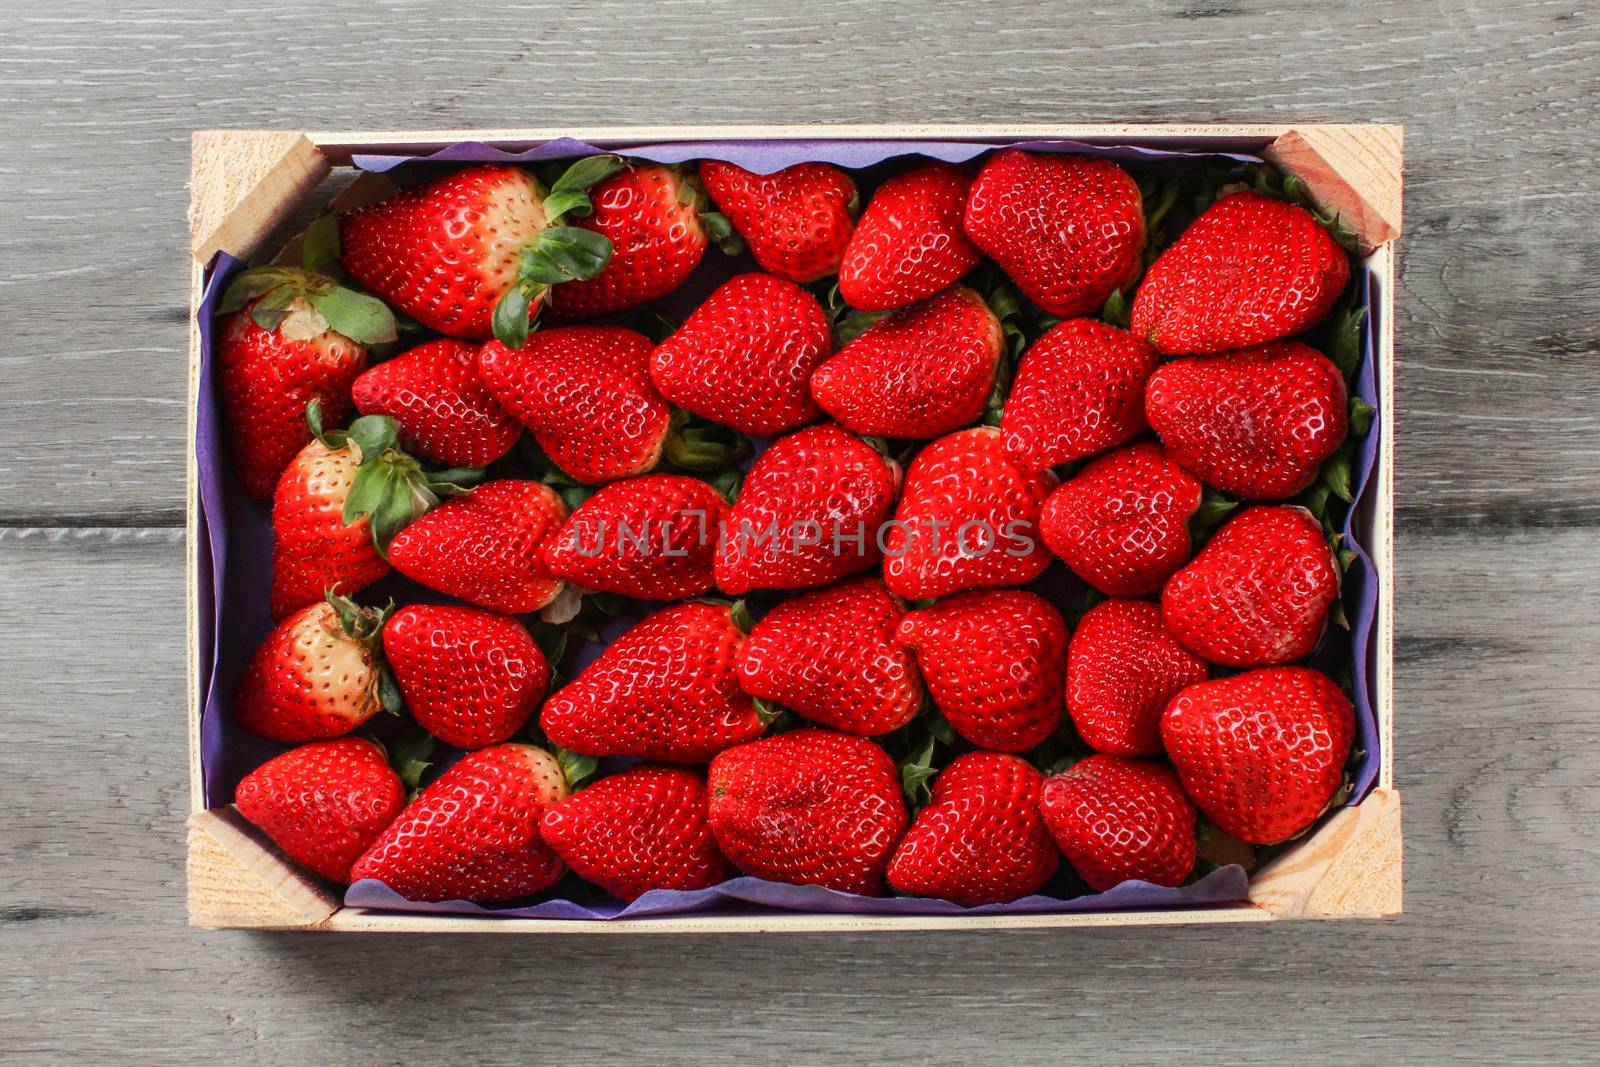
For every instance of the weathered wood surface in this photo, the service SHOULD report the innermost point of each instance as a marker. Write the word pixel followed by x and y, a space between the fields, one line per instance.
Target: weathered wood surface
pixel 1499 731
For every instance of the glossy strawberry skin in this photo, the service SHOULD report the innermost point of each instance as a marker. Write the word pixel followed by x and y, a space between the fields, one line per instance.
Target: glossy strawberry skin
pixel 1257 423
pixel 808 487
pixel 313 551
pixel 1122 523
pixel 1262 753
pixel 584 392
pixel 809 807
pixel 1117 819
pixel 831 655
pixel 922 372
pixel 667 690
pixel 323 803
pixel 470 677
pixel 474 833
pixel 641 829
pixel 968 519
pixel 656 238
pixel 267 382
pixel 1123 667
pixel 744 357
pixel 995 662
pixel 909 242
pixel 1258 593
pixel 1250 269
pixel 1079 390
pixel 1068 230
pixel 650 538
pixel 308 680
pixel 446 252
pixel 443 410
pixel 795 221
pixel 981 839
pixel 486 547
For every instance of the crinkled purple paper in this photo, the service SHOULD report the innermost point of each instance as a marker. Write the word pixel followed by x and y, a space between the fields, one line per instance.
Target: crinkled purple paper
pixel 236 542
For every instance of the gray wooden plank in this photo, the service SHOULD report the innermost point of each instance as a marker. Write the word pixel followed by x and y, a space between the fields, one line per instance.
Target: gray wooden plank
pixel 1493 962
pixel 1499 267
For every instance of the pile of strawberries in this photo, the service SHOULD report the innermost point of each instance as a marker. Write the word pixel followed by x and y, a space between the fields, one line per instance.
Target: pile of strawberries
pixel 967 380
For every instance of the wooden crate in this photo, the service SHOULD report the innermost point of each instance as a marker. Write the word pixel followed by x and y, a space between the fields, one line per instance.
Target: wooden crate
pixel 244 182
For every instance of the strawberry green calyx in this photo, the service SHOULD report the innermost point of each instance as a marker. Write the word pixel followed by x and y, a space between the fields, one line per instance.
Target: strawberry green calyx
pixel 301 304
pixel 365 625
pixel 739 615
pixel 411 756
pixel 698 446
pixel 692 193
pixel 576 768
pixel 1005 307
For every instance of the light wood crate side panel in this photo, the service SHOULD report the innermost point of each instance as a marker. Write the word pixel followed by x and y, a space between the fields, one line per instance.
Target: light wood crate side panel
pixel 1385 265
pixel 243 182
pixel 1354 171
pixel 238 880
pixel 1351 866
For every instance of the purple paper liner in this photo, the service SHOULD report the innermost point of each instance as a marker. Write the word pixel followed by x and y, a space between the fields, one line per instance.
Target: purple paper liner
pixel 236 540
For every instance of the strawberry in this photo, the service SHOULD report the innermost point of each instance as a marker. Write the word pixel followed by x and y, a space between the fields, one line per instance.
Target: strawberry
pixel 909 242
pixel 1122 524
pixel 486 547
pixel 648 213
pixel 470 677
pixel 968 519
pixel 809 807
pixel 1068 230
pixel 317 674
pixel 1250 269
pixel 923 371
pixel 981 839
pixel 1118 819
pixel 474 833
pixel 444 411
pixel 831 656
pixel 1123 666
pixel 667 690
pixel 745 356
pixel 291 336
pixel 1262 753
pixel 323 803
pixel 1258 594
pixel 808 513
pixel 995 662
pixel 476 251
pixel 1079 390
pixel 650 538
pixel 1257 423
pixel 642 829
pixel 585 394
pixel 795 221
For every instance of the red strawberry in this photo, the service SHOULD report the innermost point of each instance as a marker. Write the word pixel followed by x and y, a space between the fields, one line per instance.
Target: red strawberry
pixel 642 829
pixel 585 394
pixel 1122 524
pixel 968 519
pixel 909 243
pixel 744 357
pixel 323 803
pixel 981 839
pixel 650 538
pixel 808 513
pixel 1257 423
pixel 995 662
pixel 1068 230
pixel 795 221
pixel 470 677
pixel 316 675
pixel 444 412
pixel 1250 269
pixel 1122 669
pixel 474 833
pixel 1262 753
pixel 665 690
pixel 1118 819
pixel 313 550
pixel 921 372
pixel 649 214
pixel 809 807
pixel 1258 594
pixel 831 656
pixel 486 547
pixel 1079 390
